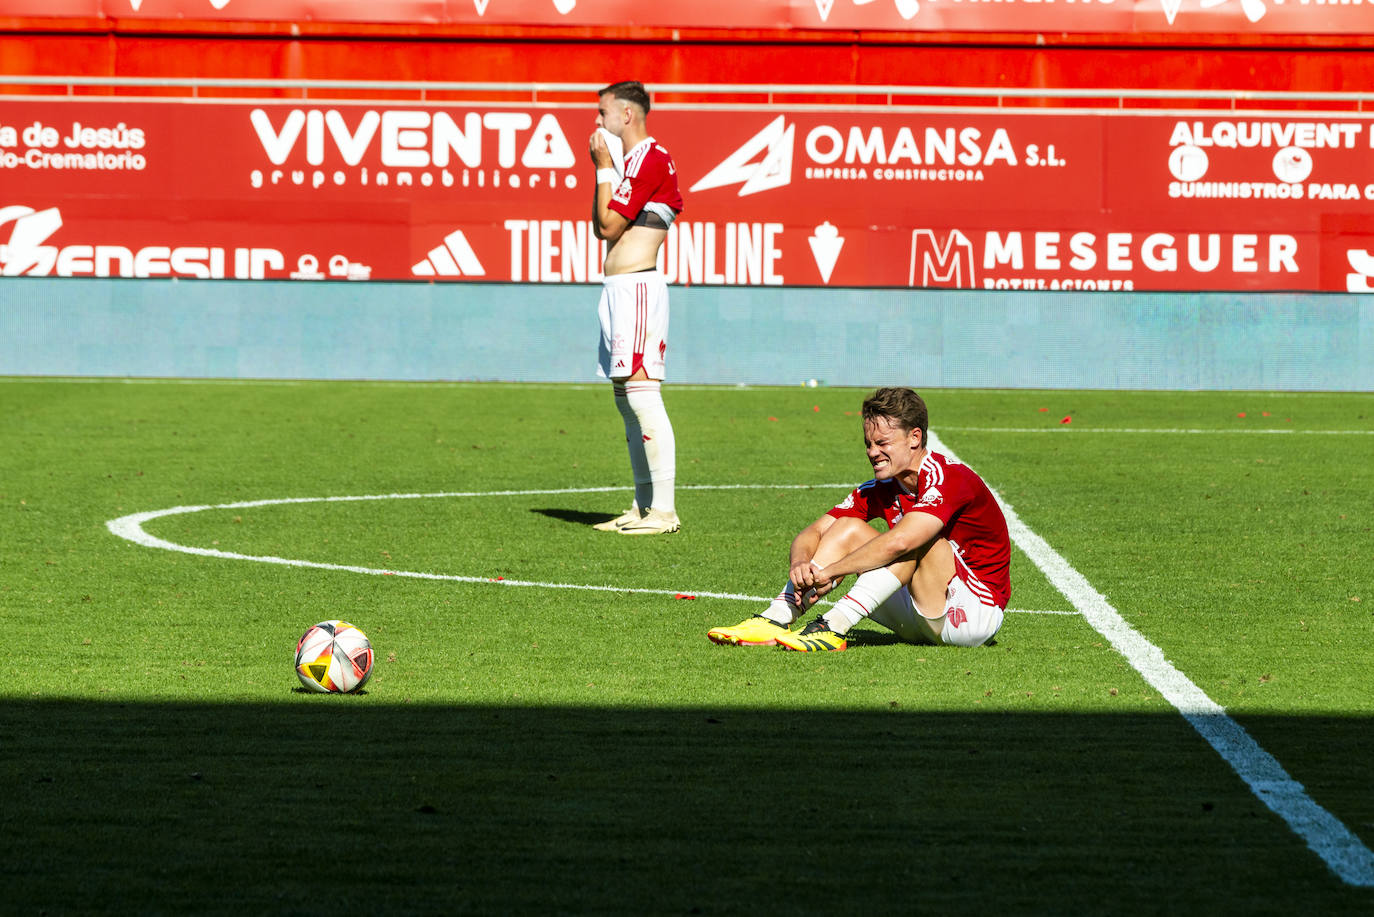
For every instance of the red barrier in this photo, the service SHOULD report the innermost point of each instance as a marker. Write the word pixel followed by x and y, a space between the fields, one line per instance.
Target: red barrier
pixel 658 63
pixel 776 196
pixel 1119 17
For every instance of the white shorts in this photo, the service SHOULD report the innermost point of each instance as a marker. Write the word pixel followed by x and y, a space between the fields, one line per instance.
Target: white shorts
pixel 967 620
pixel 634 325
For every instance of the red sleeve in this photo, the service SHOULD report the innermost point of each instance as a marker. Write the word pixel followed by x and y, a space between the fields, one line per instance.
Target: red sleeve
pixel 855 505
pixel 630 196
pixel 945 500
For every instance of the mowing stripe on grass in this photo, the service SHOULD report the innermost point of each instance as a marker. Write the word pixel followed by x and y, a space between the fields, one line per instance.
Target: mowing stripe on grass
pixel 1325 834
pixel 131 528
pixel 1259 431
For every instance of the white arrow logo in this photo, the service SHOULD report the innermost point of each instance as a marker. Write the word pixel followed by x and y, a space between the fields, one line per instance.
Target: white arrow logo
pixel 773 171
pixel 825 248
pixel 823 7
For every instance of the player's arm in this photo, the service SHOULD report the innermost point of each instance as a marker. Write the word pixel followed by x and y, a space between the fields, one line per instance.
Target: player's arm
pixel 912 532
pixel 606 223
pixel 804 548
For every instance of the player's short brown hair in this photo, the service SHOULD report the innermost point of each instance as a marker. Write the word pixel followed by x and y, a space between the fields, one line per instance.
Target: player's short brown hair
pixel 901 405
pixel 631 91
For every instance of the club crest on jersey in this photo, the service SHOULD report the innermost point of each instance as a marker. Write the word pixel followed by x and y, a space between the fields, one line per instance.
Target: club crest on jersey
pixel 931 497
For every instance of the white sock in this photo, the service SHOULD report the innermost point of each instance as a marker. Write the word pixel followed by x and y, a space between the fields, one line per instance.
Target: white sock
pixel 869 591
pixel 786 608
pixel 660 447
pixel 634 440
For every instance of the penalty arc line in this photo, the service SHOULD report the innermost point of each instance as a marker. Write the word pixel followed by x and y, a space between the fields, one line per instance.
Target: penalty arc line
pixel 130 528
pixel 1324 834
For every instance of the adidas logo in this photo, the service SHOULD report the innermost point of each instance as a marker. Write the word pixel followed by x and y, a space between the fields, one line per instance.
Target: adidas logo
pixel 455 258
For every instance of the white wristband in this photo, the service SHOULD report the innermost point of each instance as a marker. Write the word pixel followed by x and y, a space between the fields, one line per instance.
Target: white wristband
pixel 607 177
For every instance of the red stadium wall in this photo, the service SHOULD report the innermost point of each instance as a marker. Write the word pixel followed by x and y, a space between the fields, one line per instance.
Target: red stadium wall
pixel 705 61
pixel 1220 50
pixel 359 183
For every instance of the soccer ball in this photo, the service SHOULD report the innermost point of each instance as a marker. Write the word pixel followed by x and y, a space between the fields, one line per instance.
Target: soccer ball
pixel 333 657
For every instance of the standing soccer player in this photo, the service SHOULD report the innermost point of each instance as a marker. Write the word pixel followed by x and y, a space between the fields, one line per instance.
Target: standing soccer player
pixel 632 212
pixel 940 574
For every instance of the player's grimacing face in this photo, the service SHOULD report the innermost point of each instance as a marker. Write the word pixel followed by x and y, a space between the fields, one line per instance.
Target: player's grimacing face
pixel 891 449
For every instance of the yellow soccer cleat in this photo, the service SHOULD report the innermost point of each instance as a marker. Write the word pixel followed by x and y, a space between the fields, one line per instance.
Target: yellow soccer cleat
pixel 755 631
pixel 815 637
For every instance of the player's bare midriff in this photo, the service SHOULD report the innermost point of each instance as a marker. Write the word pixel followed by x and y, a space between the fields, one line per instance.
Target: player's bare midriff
pixel 635 250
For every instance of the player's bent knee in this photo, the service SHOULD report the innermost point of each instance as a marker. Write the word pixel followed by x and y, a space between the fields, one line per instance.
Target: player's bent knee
pixel 844 535
pixel 849 527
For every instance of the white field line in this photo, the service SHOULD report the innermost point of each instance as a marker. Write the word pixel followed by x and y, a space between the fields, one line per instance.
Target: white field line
pixel 1331 840
pixel 370 383
pixel 575 386
pixel 131 528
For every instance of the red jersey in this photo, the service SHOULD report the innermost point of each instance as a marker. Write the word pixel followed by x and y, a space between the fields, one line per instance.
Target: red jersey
pixel 650 178
pixel 953 493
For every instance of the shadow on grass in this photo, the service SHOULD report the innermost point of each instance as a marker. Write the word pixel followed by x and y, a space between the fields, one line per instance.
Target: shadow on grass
pixel 575 516
pixel 863 636
pixel 303 806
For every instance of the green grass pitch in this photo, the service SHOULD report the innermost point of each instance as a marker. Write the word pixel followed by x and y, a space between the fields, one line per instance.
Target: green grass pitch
pixel 546 749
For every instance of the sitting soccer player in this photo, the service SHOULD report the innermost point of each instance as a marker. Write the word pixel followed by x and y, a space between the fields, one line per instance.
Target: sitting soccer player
pixel 940 574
